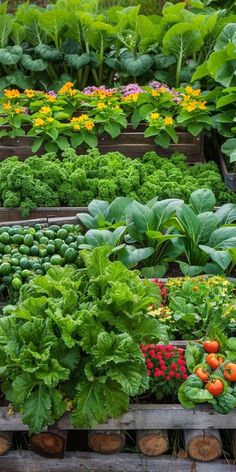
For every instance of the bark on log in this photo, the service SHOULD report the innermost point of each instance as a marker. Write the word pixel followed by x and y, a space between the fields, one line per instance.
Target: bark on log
pixel 203 445
pixel 5 441
pixel 233 437
pixel 50 444
pixel 152 442
pixel 106 442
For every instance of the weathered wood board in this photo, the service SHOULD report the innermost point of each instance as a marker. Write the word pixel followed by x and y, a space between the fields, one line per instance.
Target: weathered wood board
pixel 91 462
pixel 142 417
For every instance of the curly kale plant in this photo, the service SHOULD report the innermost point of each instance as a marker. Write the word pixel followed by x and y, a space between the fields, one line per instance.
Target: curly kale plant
pixel 76 180
pixel 76 333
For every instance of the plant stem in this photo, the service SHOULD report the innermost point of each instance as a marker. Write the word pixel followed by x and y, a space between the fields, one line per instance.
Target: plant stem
pixel 178 69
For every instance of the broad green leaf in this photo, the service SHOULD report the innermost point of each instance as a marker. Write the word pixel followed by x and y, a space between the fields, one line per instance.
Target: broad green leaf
pixel 229 148
pixel 130 256
pixel 188 220
pixel 220 235
pixel 143 217
pixel 182 40
pixel 158 270
pixel 228 35
pixel 35 65
pixel 10 55
pixel 37 409
pixel 202 200
pixel 190 270
pixel 222 258
pixel 136 66
pixel 96 207
pixel 207 224
pixel 6 23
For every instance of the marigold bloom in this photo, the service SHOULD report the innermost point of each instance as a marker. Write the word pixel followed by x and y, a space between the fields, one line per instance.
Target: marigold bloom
pixel 186 98
pixel 50 98
pixel 133 97
pixel 6 106
pixel 168 120
pixel 196 92
pixel 13 93
pixel 38 122
pixel 66 87
pixel 155 116
pixel 45 110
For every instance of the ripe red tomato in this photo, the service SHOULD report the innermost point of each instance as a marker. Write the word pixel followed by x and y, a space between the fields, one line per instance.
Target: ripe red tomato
pixel 211 346
pixel 230 372
pixel 215 387
pixel 214 361
pixel 202 374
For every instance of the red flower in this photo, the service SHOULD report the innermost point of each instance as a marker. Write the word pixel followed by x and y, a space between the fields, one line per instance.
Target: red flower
pixel 171 373
pixel 167 377
pixel 185 376
pixel 149 365
pixel 173 366
pixel 182 369
pixel 177 376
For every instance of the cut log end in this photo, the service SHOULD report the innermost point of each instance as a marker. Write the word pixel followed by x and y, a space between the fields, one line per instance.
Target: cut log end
pixel 5 442
pixel 203 446
pixel 50 444
pixel 106 442
pixel 152 442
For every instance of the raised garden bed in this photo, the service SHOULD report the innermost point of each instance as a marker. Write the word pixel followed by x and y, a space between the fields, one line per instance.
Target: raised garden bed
pixel 229 177
pixel 130 143
pixel 86 462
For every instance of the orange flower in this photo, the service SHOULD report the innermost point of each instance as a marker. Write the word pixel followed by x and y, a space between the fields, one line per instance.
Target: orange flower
pixel 13 93
pixel 202 105
pixel 89 125
pixel 192 106
pixel 154 93
pixel 133 97
pixel 19 110
pixel 66 88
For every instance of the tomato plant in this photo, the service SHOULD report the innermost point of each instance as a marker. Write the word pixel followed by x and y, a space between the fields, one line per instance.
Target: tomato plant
pixel 202 373
pixel 211 346
pixel 214 361
pixel 215 387
pixel 230 372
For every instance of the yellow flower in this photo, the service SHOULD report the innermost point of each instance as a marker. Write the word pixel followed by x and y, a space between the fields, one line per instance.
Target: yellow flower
pixel 6 106
pixel 19 110
pixel 13 93
pixel 101 105
pixel 76 127
pixel 201 105
pixel 66 88
pixel 50 120
pixel 50 98
pixel 79 119
pixel 154 93
pixel 89 125
pixel 29 93
pixel 191 106
pixel 186 98
pixel 189 89
pixel 155 116
pixel 38 122
pixel 168 120
pixel 196 92
pixel 133 97
pixel 45 110
pixel 162 89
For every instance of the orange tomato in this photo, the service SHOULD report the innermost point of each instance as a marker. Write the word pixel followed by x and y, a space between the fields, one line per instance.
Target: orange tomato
pixel 230 372
pixel 211 346
pixel 215 387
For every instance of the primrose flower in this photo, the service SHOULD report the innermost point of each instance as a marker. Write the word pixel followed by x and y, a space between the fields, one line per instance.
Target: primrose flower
pixel 155 116
pixel 132 97
pixel 76 127
pixel 155 93
pixel 19 110
pixel 67 87
pixel 13 93
pixel 45 110
pixel 131 89
pixel 202 105
pixel 38 122
pixel 6 106
pixel 168 120
pixel 29 93
pixel 101 105
pixel 191 106
pixel 189 89
pixel 89 125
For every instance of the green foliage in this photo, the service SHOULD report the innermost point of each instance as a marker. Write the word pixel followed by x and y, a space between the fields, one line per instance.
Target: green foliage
pixel 78 332
pixel 76 180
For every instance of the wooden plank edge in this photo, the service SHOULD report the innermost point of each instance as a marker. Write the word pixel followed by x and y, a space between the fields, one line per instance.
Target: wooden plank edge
pixel 140 416
pixel 93 462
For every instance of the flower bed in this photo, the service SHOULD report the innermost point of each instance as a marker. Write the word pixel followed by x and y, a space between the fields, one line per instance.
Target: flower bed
pixel 73 118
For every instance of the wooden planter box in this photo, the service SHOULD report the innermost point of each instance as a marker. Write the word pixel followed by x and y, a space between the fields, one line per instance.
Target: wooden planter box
pixel 229 177
pixel 139 417
pixel 130 142
pixel 45 214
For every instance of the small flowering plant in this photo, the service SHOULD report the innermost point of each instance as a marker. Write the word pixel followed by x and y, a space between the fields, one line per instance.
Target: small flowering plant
pixel 194 115
pixel 166 368
pixel 162 128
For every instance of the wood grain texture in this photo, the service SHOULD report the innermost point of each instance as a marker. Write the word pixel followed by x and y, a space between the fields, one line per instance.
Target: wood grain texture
pixel 92 462
pixel 152 442
pixel 106 442
pixel 203 445
pixel 142 417
pixel 5 441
